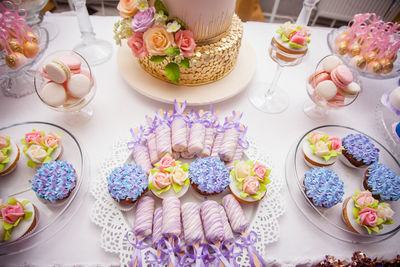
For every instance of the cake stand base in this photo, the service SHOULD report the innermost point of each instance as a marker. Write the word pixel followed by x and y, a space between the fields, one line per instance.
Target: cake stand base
pixel 162 91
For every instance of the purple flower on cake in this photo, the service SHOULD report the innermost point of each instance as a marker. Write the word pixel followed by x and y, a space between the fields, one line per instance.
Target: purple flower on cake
pixel 142 21
pixel 185 41
pixel 157 40
pixel 137 45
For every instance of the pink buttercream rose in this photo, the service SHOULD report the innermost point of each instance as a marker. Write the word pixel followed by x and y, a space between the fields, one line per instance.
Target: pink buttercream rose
pixel 298 37
pixel 364 199
pixel 157 40
pixel 161 180
pixel 51 140
pixel 137 45
pixel 368 217
pixel 315 136
pixel 127 8
pixel 185 41
pixel 3 141
pixel 12 213
pixel 259 171
pixel 166 162
pixel 336 143
pixel 34 137
pixel 251 185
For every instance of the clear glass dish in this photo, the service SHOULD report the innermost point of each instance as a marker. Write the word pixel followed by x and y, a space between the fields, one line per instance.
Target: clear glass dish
pixel 16 184
pixel 331 39
pixel 330 221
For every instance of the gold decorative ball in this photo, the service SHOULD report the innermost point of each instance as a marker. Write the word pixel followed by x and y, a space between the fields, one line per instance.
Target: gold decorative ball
pixel 16 60
pixel 375 67
pixel 33 37
pixel 342 47
pixel 15 45
pixel 31 49
pixel 359 62
pixel 354 49
pixel 370 56
pixel 387 65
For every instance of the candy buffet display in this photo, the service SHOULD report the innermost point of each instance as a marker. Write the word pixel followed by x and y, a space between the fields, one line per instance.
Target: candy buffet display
pixel 369 45
pixel 41 191
pixel 353 199
pixel 183 42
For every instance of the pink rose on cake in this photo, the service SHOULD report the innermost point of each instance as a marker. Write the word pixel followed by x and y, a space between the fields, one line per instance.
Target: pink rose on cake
pixel 315 136
pixel 259 171
pixel 335 143
pixel 142 21
pixel 161 180
pixel 12 213
pixel 127 8
pixel 51 140
pixel 185 41
pixel 166 162
pixel 368 217
pixel 33 137
pixel 251 185
pixel 137 45
pixel 364 199
pixel 157 40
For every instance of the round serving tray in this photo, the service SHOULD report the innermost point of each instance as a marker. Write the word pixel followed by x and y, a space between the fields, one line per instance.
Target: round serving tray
pixel 159 90
pixel 330 221
pixel 16 184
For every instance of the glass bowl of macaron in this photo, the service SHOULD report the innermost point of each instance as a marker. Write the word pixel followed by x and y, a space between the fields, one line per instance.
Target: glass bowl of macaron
pixel 64 82
pixel 332 85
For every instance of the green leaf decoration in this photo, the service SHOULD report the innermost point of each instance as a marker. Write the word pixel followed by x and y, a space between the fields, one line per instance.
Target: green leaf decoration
pixel 157 59
pixel 24 149
pixel 379 221
pixel 263 187
pixel 1 167
pixel 151 186
pixel 375 229
pixel 252 173
pixel 266 181
pixel 358 221
pixel 355 212
pixel 357 192
pixel 47 159
pixel 368 229
pixel 173 51
pixel 249 162
pixel 164 189
pixel 7 226
pixel 7 236
pixel 296 46
pixel 6 160
pixel 267 173
pixel 160 7
pixel 172 71
pixel 284 38
pixel 243 195
pixel 240 179
pixel 28 215
pixel 157 164
pixel 185 63
pixel 24 202
pixel 12 201
pixel 23 141
pixel 153 171
pixel 169 169
pixel 177 162
pixel 257 196
pixel 177 187
pixel 375 205
pixel 185 167
pixel 239 185
pixel 389 222
pixel 187 182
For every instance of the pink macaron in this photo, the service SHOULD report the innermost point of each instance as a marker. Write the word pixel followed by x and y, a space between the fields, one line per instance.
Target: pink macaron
pixel 317 77
pixel 341 76
pixel 73 62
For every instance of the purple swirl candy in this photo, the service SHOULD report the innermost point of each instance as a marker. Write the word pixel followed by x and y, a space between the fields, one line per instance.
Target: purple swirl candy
pixel 54 180
pixel 144 217
pixel 237 219
pixel 152 148
pixel 171 224
pixel 196 138
pixel 157 225
pixel 143 20
pixel 324 187
pixel 178 134
pixel 212 221
pixel 141 157
pixel 361 148
pixel 229 144
pixel 228 234
pixel 208 142
pixel 192 227
pixel 163 140
pixel 384 182
pixel 217 144
pixel 236 157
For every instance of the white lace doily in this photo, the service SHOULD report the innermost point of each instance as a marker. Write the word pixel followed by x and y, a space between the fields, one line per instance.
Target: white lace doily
pixel 115 220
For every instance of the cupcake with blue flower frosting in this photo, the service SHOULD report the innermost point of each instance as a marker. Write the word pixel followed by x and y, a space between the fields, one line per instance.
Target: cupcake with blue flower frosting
pixel 127 183
pixel 323 187
pixel 359 151
pixel 383 182
pixel 209 176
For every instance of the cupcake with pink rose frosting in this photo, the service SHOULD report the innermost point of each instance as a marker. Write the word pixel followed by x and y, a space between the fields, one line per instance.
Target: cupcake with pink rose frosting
pixel 248 181
pixel 9 155
pixel 41 147
pixel 363 214
pixel 321 150
pixel 169 178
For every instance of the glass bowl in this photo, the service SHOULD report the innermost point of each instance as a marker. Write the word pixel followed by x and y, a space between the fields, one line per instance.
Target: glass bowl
pixel 319 106
pixel 16 184
pixel 331 39
pixel 329 220
pixel 77 106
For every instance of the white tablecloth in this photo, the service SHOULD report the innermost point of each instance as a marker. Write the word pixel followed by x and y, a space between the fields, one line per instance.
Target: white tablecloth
pixel 118 107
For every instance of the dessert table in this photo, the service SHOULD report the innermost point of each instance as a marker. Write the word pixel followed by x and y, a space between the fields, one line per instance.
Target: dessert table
pixel 117 108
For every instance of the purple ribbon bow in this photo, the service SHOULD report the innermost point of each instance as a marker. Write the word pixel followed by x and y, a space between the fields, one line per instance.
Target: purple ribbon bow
pixel 151 125
pixel 172 252
pixel 178 112
pixel 139 245
pixel 248 243
pixel 162 118
pixel 136 138
pixel 217 255
pixel 193 255
pixel 232 252
pixel 155 260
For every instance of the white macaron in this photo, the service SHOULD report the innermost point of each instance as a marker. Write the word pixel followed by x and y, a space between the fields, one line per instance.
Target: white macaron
pixel 53 94
pixel 57 71
pixel 394 98
pixel 352 89
pixel 78 85
pixel 326 89
pixel 331 62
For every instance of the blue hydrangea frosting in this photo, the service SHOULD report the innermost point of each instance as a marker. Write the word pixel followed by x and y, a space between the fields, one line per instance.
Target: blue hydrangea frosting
pixel 209 174
pixel 127 182
pixel 361 148
pixel 324 187
pixel 397 129
pixel 54 180
pixel 383 181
